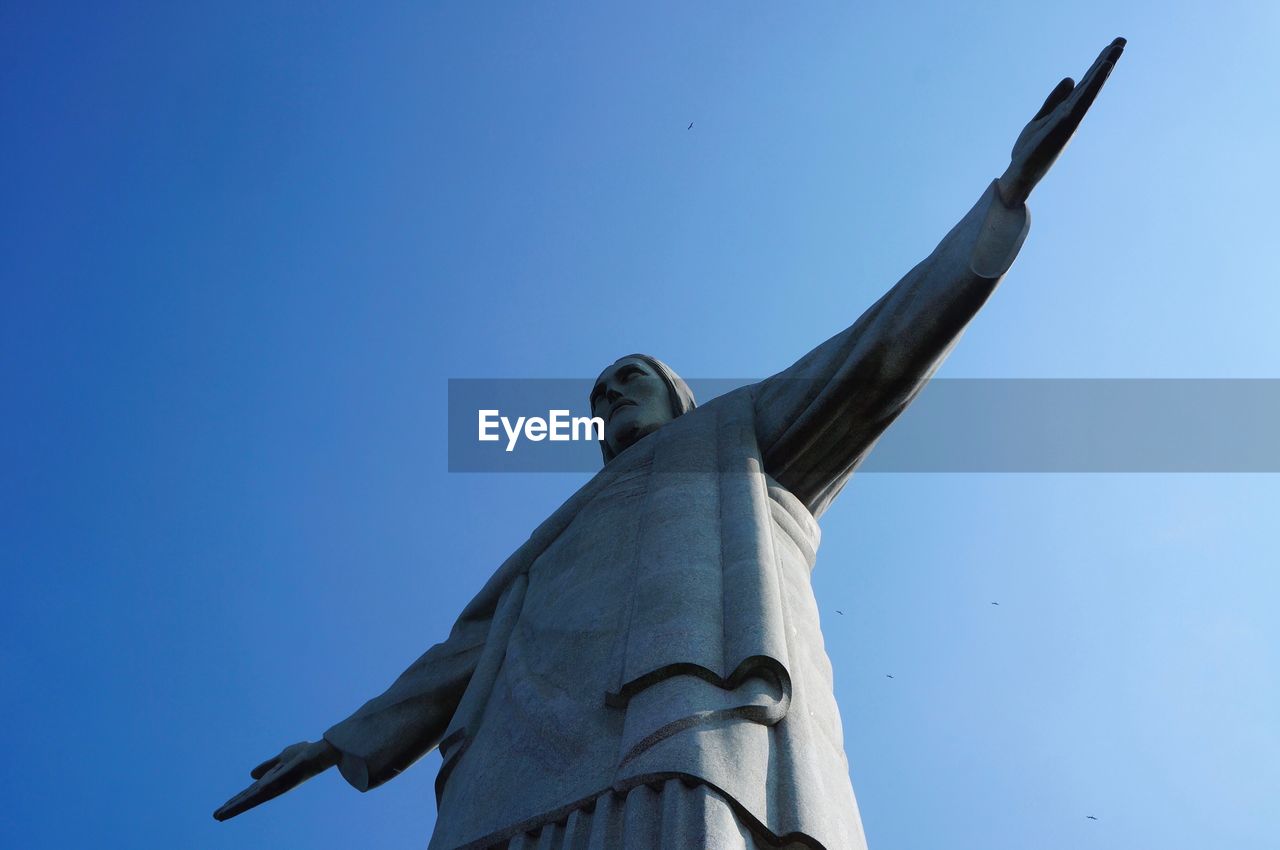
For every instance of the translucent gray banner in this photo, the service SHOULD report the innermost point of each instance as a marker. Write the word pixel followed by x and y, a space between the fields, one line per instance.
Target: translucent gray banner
pixel 955 425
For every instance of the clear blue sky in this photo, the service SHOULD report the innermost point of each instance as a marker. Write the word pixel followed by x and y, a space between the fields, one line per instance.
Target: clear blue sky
pixel 245 244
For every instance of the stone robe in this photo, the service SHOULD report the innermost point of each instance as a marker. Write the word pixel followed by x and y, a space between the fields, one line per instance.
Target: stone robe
pixel 661 625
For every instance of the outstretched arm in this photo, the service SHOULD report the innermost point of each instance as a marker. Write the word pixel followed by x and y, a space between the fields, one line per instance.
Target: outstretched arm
pixel 818 419
pixel 384 736
pixel 433 703
pixel 391 731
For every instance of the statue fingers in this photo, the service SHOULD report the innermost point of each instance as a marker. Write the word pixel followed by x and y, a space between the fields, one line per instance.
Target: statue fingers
pixel 274 783
pixel 1078 104
pixel 242 802
pixel 261 770
pixel 1110 55
pixel 1075 105
pixel 1060 93
pixel 286 755
pixel 1093 79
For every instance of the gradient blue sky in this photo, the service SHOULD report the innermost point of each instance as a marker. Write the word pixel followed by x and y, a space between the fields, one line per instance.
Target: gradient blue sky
pixel 245 244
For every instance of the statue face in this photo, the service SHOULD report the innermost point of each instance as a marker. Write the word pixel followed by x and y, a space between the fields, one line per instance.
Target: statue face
pixel 632 400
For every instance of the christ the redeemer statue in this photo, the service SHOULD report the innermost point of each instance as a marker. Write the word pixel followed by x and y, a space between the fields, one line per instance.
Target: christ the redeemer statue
pixel 647 671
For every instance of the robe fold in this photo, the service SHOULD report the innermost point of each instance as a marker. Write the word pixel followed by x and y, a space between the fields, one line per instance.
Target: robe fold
pixel 661 625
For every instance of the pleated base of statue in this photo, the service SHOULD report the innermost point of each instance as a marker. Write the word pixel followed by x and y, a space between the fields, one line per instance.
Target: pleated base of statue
pixel 677 814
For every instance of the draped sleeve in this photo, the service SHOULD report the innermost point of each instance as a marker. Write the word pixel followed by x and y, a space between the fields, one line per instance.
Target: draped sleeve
pixel 431 703
pixel 408 720
pixel 817 420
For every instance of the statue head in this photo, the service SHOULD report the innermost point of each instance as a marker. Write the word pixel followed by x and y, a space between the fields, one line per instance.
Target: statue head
pixel 636 396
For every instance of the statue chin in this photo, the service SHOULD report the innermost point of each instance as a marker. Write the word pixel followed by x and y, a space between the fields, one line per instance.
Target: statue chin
pixel 628 434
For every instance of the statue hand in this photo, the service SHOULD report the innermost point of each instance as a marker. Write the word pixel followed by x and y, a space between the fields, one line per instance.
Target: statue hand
pixel 294 766
pixel 1052 127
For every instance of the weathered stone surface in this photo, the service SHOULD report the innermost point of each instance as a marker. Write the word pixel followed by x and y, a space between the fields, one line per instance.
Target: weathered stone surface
pixel 660 626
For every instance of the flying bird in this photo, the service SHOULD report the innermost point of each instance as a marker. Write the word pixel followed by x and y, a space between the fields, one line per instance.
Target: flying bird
pixel 690 127
pixel 888 675
pixel 995 603
pixel 838 611
pixel 1090 817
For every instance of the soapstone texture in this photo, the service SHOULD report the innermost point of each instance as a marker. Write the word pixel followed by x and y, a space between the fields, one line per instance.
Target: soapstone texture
pixel 648 670
pixel 661 624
